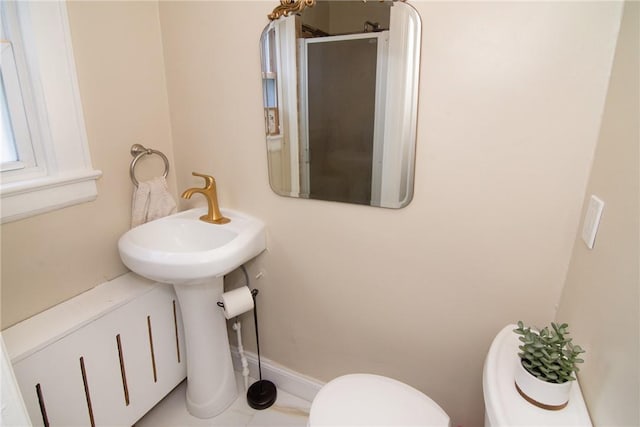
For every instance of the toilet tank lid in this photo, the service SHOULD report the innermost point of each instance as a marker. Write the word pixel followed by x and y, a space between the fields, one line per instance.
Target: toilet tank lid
pixel 370 400
pixel 503 404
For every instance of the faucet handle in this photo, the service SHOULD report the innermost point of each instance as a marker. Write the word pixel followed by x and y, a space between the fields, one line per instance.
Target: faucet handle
pixel 208 180
pixel 214 215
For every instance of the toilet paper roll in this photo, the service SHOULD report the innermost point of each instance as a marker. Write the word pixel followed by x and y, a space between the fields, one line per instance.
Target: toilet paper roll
pixel 237 301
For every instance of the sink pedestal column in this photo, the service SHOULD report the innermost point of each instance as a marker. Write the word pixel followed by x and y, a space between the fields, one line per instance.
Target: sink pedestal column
pixel 211 384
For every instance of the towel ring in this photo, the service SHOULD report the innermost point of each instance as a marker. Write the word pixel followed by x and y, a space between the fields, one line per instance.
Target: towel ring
pixel 137 151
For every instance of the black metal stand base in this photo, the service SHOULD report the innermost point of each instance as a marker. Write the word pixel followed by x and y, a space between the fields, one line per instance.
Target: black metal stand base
pixel 262 394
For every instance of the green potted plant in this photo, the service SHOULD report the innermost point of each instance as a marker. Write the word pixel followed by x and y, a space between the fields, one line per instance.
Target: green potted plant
pixel 547 365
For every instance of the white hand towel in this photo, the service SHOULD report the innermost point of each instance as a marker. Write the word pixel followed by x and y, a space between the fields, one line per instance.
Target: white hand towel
pixel 151 200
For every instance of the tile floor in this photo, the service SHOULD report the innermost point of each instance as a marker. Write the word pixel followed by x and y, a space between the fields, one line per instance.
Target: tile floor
pixel 288 411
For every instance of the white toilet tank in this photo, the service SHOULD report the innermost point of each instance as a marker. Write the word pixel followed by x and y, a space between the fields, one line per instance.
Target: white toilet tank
pixel 503 404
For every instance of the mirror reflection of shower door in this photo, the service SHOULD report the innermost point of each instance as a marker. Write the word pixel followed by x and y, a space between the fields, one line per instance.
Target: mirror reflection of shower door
pixel 342 134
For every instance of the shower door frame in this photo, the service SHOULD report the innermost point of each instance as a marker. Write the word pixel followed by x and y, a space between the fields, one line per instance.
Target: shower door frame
pixel 379 116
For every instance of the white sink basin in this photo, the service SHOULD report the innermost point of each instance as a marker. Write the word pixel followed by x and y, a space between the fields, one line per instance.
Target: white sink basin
pixel 181 249
pixel 193 256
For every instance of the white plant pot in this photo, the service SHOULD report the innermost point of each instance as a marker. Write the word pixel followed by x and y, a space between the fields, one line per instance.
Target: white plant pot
pixel 545 395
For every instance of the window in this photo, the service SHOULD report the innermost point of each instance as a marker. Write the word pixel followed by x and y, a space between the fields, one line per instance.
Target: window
pixel 45 161
pixel 17 139
pixel 9 151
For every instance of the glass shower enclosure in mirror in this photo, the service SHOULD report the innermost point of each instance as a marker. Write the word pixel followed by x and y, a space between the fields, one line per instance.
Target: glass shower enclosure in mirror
pixel 340 90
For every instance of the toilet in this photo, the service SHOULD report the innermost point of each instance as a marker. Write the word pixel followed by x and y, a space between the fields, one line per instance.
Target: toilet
pixel 373 400
pixel 503 404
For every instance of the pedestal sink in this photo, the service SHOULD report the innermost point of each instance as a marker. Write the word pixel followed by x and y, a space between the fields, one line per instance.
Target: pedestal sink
pixel 193 256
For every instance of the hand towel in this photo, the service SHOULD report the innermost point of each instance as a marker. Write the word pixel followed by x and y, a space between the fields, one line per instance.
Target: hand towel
pixel 151 200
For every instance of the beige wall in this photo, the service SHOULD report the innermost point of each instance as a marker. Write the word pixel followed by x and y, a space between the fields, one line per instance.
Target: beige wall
pixel 511 98
pixel 49 258
pixel 601 297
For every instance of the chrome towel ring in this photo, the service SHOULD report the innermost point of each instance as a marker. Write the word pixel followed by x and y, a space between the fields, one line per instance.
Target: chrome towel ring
pixel 137 151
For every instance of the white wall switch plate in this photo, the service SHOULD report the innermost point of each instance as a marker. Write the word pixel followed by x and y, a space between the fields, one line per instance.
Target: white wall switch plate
pixel 592 221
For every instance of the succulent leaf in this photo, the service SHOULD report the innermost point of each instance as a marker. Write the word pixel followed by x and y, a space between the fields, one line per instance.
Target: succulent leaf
pixel 548 353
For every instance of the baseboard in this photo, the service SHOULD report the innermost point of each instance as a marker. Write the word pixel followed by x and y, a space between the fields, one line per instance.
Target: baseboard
pixel 286 379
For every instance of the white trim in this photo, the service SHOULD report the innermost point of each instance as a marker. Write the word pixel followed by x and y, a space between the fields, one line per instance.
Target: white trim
pixel 11 166
pixel 14 411
pixel 288 95
pixel 69 177
pixel 27 198
pixel 305 167
pixel 286 379
pixel 379 118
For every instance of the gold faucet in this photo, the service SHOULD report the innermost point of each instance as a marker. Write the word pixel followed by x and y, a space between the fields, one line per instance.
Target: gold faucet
pixel 209 191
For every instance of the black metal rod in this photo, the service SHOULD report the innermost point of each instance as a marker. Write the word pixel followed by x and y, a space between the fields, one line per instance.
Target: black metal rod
pixel 254 292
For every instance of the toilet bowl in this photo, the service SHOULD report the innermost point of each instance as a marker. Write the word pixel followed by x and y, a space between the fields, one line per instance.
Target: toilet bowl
pixel 503 404
pixel 373 400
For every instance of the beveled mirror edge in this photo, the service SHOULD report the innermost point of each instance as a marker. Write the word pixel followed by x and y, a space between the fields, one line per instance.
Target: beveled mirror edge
pixel 409 135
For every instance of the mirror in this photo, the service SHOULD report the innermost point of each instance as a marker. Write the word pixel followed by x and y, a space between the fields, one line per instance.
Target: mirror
pixel 340 90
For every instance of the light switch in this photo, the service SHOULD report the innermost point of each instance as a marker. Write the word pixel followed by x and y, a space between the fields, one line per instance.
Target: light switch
pixel 592 221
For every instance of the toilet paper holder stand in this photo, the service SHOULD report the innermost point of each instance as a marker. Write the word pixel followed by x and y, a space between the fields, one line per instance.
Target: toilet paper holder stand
pixel 263 393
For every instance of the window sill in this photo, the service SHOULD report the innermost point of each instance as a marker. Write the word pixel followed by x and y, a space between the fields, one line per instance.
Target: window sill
pixel 28 198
